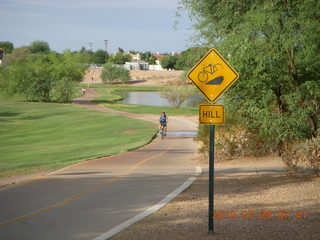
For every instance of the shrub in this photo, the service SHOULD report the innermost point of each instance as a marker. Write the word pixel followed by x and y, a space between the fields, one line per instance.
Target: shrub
pixel 299 152
pixel 111 73
pixel 169 62
pixel 183 77
pixel 290 156
pixel 178 94
pixel 63 91
pixel 233 141
pixel 311 153
pixel 42 77
pixel 39 47
pixel 203 138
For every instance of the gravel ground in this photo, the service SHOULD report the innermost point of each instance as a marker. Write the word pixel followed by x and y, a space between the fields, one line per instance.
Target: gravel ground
pixel 265 206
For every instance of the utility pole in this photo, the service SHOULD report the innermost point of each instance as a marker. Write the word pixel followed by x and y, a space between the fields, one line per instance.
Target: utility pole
pixel 90 46
pixel 106 45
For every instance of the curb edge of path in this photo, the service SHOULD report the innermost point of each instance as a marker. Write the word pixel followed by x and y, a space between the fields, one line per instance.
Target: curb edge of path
pixel 113 231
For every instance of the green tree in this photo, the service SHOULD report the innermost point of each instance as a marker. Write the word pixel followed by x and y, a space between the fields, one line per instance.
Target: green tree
pixel 111 73
pixel 274 45
pixel 121 58
pixel 152 60
pixel 100 57
pixel 7 46
pixel 18 54
pixel 169 62
pixel 84 56
pixel 39 47
pixel 43 77
pixel 190 57
pixel 145 56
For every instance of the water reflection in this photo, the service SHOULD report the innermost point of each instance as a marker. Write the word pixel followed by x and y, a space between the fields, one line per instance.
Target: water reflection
pixel 155 99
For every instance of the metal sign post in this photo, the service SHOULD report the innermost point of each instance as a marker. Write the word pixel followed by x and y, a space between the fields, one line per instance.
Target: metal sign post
pixel 212 75
pixel 211 179
pixel 211 114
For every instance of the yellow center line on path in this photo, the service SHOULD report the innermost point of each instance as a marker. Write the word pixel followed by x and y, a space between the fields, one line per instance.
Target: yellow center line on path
pixel 79 195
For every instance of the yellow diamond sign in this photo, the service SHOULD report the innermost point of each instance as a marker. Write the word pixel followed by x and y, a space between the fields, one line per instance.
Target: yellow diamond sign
pixel 212 75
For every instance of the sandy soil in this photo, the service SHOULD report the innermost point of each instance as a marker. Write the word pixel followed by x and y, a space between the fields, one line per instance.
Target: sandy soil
pixel 140 77
pixel 244 162
pixel 266 206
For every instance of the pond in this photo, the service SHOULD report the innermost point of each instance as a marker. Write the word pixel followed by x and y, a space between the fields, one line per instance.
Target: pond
pixel 155 99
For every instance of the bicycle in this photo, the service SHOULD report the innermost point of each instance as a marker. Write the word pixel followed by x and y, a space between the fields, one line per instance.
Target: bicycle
pixel 210 69
pixel 163 132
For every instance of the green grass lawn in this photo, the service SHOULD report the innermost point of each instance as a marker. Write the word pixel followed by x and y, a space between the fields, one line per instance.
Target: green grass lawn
pixel 112 94
pixel 144 109
pixel 43 136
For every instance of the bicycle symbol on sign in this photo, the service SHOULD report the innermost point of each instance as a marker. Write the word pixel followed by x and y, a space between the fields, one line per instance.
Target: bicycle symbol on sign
pixel 203 76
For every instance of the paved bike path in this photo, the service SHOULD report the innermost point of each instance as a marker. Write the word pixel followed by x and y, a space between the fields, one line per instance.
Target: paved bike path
pixel 86 200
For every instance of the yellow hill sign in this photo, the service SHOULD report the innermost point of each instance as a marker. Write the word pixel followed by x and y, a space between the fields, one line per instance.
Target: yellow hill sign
pixel 212 75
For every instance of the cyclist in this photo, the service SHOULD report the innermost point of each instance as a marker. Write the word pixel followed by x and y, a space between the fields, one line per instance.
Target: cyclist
pixel 163 122
pixel 83 91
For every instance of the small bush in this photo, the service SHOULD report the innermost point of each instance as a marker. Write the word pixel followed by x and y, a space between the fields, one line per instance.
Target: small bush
pixel 229 142
pixel 111 74
pixel 290 156
pixel 203 138
pixel 183 78
pixel 310 150
pixel 63 91
pixel 177 95
pixel 302 152
pixel 232 140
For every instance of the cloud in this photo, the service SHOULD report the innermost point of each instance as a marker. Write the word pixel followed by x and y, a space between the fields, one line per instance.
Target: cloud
pixel 148 4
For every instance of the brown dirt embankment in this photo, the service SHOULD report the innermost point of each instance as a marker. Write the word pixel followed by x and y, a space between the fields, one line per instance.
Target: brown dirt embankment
pixel 139 77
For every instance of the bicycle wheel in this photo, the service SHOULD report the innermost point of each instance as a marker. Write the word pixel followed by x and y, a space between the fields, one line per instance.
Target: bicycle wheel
pixel 203 77
pixel 162 133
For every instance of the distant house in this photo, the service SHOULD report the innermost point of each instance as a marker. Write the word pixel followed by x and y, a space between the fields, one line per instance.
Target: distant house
pixel 157 66
pixel 137 65
pixel 158 57
pixel 135 57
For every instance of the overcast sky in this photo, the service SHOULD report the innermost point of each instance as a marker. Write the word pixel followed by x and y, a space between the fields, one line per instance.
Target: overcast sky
pixel 142 25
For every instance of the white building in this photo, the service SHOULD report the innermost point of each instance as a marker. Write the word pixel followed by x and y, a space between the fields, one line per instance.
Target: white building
pixel 136 65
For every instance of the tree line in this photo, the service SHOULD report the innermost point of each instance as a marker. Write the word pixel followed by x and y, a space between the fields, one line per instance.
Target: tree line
pixel 38 74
